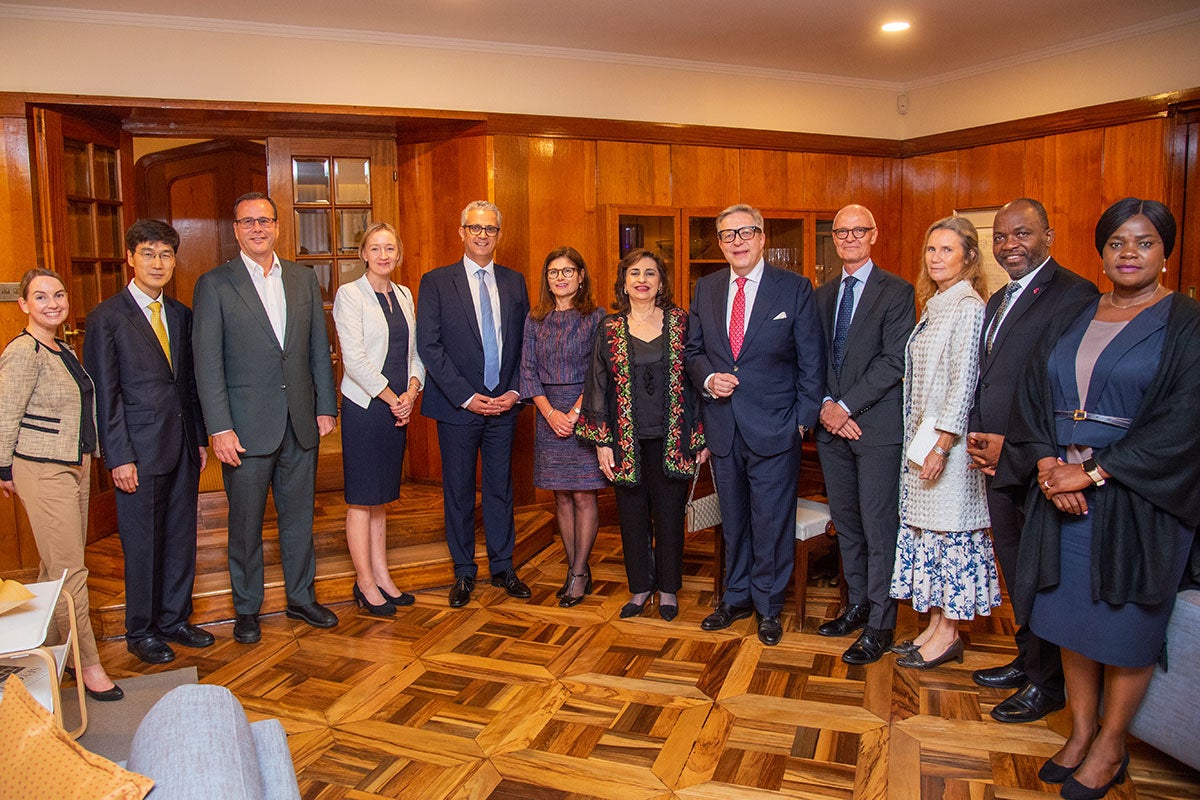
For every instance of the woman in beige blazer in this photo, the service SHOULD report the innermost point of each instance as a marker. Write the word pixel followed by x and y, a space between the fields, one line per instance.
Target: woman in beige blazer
pixel 47 440
pixel 382 376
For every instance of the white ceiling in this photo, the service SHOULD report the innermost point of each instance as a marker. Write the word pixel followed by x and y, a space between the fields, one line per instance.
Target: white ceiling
pixel 838 41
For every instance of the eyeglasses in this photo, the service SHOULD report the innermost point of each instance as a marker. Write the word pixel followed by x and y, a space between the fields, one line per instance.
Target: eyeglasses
pixel 476 230
pixel 566 272
pixel 246 223
pixel 845 233
pixel 745 234
pixel 150 255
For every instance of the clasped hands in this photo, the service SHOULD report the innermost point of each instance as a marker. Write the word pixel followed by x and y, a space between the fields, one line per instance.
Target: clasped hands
pixel 562 423
pixel 491 406
pixel 1063 484
pixel 402 407
pixel 838 421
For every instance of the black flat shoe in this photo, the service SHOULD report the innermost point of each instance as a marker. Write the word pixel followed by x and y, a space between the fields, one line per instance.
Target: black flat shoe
pixel 1029 704
pixel 1008 676
pixel 460 592
pixel 1055 773
pixel 1074 790
pixel 569 600
pixel 402 599
pixel 869 647
pixel 853 618
pixel 914 660
pixel 724 616
pixel 770 630
pixel 632 609
pixel 905 647
pixel 246 629
pixel 384 609
pixel 151 650
pixel 107 696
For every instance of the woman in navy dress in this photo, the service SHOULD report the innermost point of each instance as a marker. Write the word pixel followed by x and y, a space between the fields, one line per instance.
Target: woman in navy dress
pixel 382 375
pixel 559 335
pixel 1107 425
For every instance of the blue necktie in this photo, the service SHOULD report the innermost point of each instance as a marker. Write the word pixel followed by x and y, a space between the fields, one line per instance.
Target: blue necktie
pixel 841 328
pixel 491 351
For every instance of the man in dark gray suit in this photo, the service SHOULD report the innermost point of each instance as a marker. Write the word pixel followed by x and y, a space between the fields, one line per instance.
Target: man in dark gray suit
pixel 867 315
pixel 1014 322
pixel 266 387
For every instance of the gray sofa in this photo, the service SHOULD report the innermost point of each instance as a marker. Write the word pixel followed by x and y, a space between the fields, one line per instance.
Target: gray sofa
pixel 1169 717
pixel 197 744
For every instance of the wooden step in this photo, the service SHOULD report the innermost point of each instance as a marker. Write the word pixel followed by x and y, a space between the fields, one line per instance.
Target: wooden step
pixel 417 554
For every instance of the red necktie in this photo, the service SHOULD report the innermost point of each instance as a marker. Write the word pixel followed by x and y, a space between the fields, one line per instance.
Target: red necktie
pixel 737 319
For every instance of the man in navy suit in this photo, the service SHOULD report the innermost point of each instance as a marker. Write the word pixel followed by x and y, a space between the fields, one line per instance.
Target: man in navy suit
pixel 868 314
pixel 1013 325
pixel 138 350
pixel 755 351
pixel 470 325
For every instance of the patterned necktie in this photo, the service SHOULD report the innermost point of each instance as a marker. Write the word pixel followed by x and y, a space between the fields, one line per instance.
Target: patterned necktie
pixel 491 350
pixel 160 330
pixel 841 328
pixel 998 317
pixel 737 319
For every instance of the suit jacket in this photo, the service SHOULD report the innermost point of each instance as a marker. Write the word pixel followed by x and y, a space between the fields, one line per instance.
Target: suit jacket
pixel 246 381
pixel 147 413
pixel 451 346
pixel 780 368
pixel 1055 288
pixel 363 333
pixel 873 365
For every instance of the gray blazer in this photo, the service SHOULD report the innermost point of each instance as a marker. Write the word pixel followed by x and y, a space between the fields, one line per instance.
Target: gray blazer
pixel 247 382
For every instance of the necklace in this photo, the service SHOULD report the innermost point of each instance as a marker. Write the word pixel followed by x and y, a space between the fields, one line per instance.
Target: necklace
pixel 1112 300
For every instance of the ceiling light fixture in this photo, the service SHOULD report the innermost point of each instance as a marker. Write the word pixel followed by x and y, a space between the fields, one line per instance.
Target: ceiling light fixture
pixel 894 27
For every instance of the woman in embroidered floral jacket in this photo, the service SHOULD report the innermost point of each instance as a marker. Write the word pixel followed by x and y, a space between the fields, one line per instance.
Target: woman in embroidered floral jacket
pixel 643 416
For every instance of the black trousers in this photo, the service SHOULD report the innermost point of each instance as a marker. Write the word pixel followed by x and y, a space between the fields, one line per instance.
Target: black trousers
pixel 652 517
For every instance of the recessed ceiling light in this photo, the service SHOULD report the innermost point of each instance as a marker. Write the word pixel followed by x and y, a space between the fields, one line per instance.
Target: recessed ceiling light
pixel 893 27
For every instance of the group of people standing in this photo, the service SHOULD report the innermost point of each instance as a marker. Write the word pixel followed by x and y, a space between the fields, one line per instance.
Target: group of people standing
pixel 1047 428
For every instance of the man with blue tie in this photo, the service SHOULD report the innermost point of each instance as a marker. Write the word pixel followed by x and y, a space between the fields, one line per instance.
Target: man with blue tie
pixel 470 326
pixel 868 314
pixel 755 352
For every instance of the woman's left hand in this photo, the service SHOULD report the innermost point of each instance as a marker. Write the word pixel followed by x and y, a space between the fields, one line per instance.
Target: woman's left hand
pixel 702 456
pixel 562 425
pixel 933 467
pixel 1056 477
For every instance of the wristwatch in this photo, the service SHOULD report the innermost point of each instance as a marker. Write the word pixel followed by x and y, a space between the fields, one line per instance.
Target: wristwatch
pixel 1093 471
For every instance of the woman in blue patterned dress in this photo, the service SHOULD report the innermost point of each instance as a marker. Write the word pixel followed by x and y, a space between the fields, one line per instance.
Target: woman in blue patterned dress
pixel 559 335
pixel 944 558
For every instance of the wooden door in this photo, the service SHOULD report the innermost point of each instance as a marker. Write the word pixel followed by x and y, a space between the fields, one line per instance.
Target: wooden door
pixel 1186 258
pixel 194 188
pixel 84 180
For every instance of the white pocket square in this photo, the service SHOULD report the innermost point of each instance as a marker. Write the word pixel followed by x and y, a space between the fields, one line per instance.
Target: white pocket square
pixel 780 315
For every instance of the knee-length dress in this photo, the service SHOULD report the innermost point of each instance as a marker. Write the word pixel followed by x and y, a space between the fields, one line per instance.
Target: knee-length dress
pixel 372 445
pixel 944 556
pixel 554 362
pixel 1110 365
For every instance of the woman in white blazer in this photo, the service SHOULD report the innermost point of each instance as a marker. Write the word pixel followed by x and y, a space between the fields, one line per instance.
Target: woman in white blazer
pixel 381 378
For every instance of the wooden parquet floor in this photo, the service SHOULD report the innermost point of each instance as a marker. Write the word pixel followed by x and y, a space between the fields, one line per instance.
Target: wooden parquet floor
pixel 508 699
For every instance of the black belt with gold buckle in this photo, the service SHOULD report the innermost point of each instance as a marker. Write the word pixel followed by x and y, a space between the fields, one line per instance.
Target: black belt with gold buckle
pixel 1080 415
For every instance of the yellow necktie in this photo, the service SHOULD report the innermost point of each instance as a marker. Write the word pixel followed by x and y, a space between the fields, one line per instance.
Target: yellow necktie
pixel 160 330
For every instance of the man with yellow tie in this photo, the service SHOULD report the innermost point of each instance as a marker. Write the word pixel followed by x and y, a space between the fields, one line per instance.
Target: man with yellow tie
pixel 138 350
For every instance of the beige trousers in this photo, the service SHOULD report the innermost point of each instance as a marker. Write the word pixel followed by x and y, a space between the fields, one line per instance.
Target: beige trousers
pixel 55 497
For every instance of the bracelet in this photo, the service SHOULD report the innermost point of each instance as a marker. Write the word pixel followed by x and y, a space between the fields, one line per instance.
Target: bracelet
pixel 576 410
pixel 943 453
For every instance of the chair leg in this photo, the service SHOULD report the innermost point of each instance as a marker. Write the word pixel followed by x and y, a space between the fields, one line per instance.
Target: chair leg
pixel 800 583
pixel 719 551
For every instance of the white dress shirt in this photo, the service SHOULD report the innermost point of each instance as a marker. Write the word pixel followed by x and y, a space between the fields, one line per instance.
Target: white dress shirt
pixel 1024 282
pixel 270 292
pixel 753 279
pixel 144 300
pixel 493 291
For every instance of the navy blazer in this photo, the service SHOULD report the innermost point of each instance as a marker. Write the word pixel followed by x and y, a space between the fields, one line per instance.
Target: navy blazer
pixel 780 369
pixel 1054 289
pixel 451 346
pixel 146 412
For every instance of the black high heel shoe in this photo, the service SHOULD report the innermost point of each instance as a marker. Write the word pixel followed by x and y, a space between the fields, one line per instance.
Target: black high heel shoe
pixel 1074 790
pixel 384 609
pixel 1055 773
pixel 402 599
pixel 668 611
pixel 566 581
pixel 632 609
pixel 570 600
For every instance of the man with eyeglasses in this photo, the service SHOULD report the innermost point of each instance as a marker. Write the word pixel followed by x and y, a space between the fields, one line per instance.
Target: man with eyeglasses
pixel 470 325
pixel 138 351
pixel 867 315
pixel 755 351
pixel 1016 317
pixel 266 386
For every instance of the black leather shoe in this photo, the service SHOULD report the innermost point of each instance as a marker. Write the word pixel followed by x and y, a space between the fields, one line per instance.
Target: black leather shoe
pixel 107 696
pixel 1074 790
pixel 770 630
pixel 724 616
pixel 870 646
pixel 189 635
pixel 150 649
pixel 460 592
pixel 915 660
pixel 509 581
pixel 1008 676
pixel 905 647
pixel 1030 704
pixel 246 630
pixel 314 614
pixel 853 618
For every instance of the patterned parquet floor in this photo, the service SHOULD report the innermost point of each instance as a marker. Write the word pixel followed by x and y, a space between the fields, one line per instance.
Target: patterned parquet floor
pixel 509 699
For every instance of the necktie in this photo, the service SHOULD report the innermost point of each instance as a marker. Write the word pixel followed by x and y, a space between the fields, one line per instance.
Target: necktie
pixel 841 328
pixel 737 319
pixel 998 317
pixel 491 351
pixel 160 330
